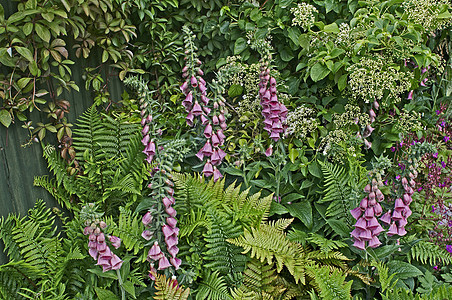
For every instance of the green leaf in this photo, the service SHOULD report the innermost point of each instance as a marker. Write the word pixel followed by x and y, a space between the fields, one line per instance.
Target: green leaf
pixel 314 169
pixel 277 208
pixel 105 56
pixel 5 118
pixel 336 52
pixel 294 34
pixel 99 273
pixel 33 67
pixel 28 28
pixel 130 288
pixel 301 211
pixel 293 154
pixel 43 32
pixel 239 46
pixel 285 3
pixel 342 82
pixel 333 28
pixel 304 40
pixel 23 82
pixel 24 52
pixel 286 54
pixel 318 72
pixel 105 294
pixel 66 5
pixel 235 90
pixel 403 269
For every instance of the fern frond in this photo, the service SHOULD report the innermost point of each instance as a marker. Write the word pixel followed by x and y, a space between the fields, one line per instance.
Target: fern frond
pixel 269 242
pixel 331 284
pixel 336 192
pixel 223 256
pixel 128 229
pixel 387 282
pixel 16 275
pixel 259 278
pixel 85 134
pixel 325 244
pixel 168 289
pixel 191 222
pixel 213 287
pixel 429 253
pixel 62 196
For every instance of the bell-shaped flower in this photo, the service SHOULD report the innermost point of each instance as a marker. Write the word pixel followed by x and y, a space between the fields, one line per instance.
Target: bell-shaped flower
pixel 376 105
pixel 202 88
pixel 401 230
pixel 402 222
pixel 359 244
pixel 173 251
pixel 188 101
pixel 201 80
pixel 93 252
pixel 215 120
pixel 197 110
pixel 365 235
pixel 369 213
pixel 147 235
pixel 392 229
pixel 221 136
pixel 367 144
pixel 275 136
pixel 116 262
pixel 145 130
pixel 193 81
pixel 221 118
pixel 269 151
pixel 101 247
pixel 170 211
pixel 378 210
pixel 171 222
pixel 208 169
pixel 204 99
pixel 356 232
pixel 386 218
pixel 206 110
pixel 399 205
pixel 171 241
pixel 407 199
pixel 204 120
pixel 356 213
pixel 145 140
pixel 167 231
pixel 115 241
pixel 396 215
pixel 176 262
pixel 216 174
pixel 163 263
pixel 374 242
pixel 190 118
pixel 208 131
pixel 184 87
pixel 155 252
pixel 223 126
pixel 373 223
pixel 215 158
pixel 215 140
pixel 147 218
pixel 361 223
pixel 377 230
pixel 406 212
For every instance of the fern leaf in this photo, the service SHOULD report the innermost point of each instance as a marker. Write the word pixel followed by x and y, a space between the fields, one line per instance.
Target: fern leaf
pixel 429 253
pixel 168 289
pixel 213 287
pixel 62 196
pixel 331 284
pixel 128 229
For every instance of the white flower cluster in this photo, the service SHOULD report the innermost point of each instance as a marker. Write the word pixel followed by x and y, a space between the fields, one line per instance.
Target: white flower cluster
pixel 301 121
pixel 372 77
pixel 304 15
pixel 408 121
pixel 352 115
pixel 426 12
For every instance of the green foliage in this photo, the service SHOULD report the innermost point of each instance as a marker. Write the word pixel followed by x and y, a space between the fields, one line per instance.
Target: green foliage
pixel 167 289
pixel 213 287
pixel 429 253
pixel 331 284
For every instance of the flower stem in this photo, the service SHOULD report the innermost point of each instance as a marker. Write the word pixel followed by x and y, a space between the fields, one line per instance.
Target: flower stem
pixel 123 291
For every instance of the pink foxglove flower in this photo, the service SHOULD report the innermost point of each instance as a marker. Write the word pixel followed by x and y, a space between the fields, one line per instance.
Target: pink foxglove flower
pixel 115 241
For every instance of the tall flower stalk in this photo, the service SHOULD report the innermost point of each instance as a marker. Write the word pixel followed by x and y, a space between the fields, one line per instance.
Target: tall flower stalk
pixel 160 221
pixel 210 113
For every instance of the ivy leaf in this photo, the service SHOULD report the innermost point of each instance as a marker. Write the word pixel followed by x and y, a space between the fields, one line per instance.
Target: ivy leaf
pixel 5 118
pixel 43 32
pixel 239 46
pixel 318 72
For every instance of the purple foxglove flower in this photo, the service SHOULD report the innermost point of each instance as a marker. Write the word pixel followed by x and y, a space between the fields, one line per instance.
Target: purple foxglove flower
pixel 173 251
pixel 272 81
pixel 116 262
pixel 365 235
pixel 369 213
pixel 367 188
pixel 207 149
pixel 204 120
pixel 202 88
pixel 274 104
pixel 115 241
pixel 155 252
pixel 361 223
pixel 221 135
pixel 372 202
pixel 199 71
pixel 147 235
pixel 208 169
pixel 193 81
pixel 163 261
pixel 374 242
pixel 356 213
pixel 106 254
pixel 171 211
pixel 88 230
pixel 171 222
pixel 176 262
pixel 376 105
pixel 206 110
pixel 145 140
pixel 204 99
pixel 359 244
pixel 216 174
pixel 215 158
pixel 143 121
pixel 167 231
pixel 368 131
pixel 101 238
pixel 275 136
pixel 367 144
pixel 401 231
pixel 266 96
pixel 149 119
pixel 208 131
pixel 101 261
pixel 215 140
pixel 188 102
pixel 355 233
pixel 378 210
pixel 184 69
pixel 410 95
pixel 92 244
pixel 190 118
pixel 197 110
pixel 402 222
pixel 150 149
pixel 379 195
pixel 409 190
pixel 373 223
pixel 147 218
pixel 386 218
pixel 377 230
pixel 92 237
pixel 221 153
pixel 93 252
pixel 215 120
pixel 399 205
pixel 423 82
pixel 171 241
pixel 364 203
pixel 406 212
pixel 392 229
pixel 221 118
pixel 201 80
pixel 272 90
pixel 396 215
pixel 407 199
pixel 269 151
pixel 372 115
pixel 166 202
pixel 223 126
pixel 145 130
